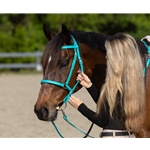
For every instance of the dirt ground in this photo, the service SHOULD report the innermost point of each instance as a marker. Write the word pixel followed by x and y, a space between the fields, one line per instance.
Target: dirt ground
pixel 18 94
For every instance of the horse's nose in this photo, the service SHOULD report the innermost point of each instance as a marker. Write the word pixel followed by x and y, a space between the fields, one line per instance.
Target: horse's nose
pixel 42 113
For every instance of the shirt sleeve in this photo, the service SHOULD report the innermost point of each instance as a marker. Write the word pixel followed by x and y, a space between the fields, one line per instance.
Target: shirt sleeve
pixel 94 92
pixel 101 120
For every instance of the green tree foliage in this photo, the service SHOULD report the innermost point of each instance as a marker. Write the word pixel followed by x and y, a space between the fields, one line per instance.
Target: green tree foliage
pixel 24 33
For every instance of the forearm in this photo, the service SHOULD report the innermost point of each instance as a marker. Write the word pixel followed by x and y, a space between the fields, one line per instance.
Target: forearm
pixel 101 120
pixel 94 92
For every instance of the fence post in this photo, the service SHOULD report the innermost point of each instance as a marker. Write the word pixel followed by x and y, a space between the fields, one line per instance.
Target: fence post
pixel 38 66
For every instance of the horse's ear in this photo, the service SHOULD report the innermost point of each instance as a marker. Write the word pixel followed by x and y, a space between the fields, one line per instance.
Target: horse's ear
pixel 65 34
pixel 49 34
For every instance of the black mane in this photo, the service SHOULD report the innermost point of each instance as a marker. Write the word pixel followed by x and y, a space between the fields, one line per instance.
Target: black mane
pixel 93 39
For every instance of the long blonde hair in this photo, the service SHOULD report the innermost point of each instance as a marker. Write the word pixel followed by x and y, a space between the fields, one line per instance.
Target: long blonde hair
pixel 124 78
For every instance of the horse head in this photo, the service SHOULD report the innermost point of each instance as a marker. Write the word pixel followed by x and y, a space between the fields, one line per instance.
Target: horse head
pixel 57 61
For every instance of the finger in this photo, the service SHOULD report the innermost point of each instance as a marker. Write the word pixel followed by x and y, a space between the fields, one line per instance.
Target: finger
pixel 70 102
pixel 79 78
pixel 80 74
pixel 79 71
pixel 83 75
pixel 73 97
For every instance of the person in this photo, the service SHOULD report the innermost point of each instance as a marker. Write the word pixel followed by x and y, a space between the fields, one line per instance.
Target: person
pixel 121 101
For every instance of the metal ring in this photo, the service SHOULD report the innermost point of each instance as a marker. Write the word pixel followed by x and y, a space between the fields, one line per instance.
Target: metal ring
pixel 59 108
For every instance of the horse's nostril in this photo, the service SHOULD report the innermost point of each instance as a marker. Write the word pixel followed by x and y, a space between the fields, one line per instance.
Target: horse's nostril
pixel 44 112
pixel 41 113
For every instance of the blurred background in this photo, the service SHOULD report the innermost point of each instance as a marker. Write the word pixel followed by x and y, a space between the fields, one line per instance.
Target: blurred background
pixel 22 42
pixel 23 32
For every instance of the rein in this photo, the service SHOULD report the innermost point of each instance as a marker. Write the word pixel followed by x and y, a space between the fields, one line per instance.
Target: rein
pixel 66 84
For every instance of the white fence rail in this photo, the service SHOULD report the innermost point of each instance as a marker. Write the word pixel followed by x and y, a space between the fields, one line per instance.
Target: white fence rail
pixel 35 65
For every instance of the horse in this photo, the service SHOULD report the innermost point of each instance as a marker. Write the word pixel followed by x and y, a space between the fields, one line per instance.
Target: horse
pixel 58 61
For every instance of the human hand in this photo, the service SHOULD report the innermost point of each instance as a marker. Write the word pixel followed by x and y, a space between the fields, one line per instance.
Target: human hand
pixel 75 102
pixel 84 79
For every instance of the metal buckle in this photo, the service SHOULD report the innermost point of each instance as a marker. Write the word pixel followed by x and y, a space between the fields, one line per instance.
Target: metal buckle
pixel 59 106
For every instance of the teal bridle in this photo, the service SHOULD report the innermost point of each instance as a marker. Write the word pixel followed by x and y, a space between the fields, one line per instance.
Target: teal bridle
pixel 65 85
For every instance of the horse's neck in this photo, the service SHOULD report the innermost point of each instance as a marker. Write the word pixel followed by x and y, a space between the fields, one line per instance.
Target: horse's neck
pixel 95 66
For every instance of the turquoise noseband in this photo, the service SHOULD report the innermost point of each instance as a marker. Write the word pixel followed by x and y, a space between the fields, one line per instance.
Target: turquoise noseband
pixel 76 57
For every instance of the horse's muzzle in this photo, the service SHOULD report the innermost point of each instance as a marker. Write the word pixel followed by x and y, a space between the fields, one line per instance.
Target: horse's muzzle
pixel 43 114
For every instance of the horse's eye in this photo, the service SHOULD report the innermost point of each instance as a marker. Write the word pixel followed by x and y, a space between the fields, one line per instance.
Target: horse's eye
pixel 64 63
